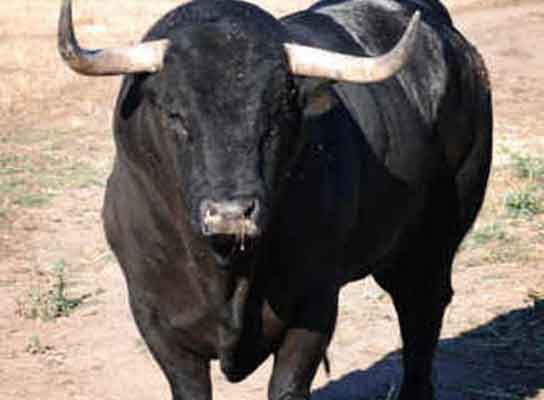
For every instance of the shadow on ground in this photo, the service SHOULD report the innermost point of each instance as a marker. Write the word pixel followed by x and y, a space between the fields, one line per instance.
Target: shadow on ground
pixel 502 359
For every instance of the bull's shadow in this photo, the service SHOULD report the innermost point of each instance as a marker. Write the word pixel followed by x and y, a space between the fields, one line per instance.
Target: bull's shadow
pixel 502 359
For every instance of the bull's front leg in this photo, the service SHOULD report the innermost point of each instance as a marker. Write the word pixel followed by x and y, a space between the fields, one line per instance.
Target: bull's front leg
pixel 187 373
pixel 303 348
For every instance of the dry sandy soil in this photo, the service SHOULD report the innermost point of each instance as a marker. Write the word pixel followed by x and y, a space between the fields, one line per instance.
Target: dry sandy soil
pixel 55 153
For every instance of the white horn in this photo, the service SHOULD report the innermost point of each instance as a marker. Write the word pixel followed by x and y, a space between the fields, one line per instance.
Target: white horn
pixel 319 63
pixel 144 57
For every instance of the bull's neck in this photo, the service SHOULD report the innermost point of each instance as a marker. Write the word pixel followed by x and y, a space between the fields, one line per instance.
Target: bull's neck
pixel 225 294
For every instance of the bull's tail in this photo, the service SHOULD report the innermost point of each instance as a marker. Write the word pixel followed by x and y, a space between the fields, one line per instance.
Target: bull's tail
pixel 327 364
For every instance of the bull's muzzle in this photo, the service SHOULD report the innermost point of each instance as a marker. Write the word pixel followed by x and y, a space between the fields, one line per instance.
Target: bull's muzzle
pixel 232 218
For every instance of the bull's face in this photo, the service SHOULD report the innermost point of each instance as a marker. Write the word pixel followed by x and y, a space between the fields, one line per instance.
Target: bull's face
pixel 217 107
pixel 227 101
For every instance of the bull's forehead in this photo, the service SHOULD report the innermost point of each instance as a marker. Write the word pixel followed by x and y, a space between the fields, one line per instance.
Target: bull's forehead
pixel 223 69
pixel 228 75
pixel 229 55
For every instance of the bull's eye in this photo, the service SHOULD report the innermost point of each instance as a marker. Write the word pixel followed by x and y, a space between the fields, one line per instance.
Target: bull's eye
pixel 178 128
pixel 182 133
pixel 183 136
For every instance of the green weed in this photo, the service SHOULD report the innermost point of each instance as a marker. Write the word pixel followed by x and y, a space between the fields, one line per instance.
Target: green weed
pixel 31 200
pixel 62 306
pixel 488 233
pixel 527 167
pixel 51 303
pixel 525 202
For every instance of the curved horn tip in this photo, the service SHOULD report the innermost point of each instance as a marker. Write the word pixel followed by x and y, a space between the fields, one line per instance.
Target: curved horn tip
pixel 416 16
pixel 144 57
pixel 67 44
pixel 316 62
pixel 408 40
pixel 413 25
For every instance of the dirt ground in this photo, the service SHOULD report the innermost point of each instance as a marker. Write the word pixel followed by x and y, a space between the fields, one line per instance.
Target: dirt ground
pixel 55 154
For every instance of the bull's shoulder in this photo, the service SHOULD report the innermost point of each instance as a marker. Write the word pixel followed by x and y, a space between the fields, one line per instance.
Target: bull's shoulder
pixel 371 28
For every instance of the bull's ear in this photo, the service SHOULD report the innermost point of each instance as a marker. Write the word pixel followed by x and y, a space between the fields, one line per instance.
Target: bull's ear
pixel 316 96
pixel 132 94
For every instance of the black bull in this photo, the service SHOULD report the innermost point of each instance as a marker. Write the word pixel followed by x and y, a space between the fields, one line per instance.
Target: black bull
pixel 244 196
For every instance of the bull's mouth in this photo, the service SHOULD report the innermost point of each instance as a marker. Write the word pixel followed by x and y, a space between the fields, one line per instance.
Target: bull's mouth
pixel 228 249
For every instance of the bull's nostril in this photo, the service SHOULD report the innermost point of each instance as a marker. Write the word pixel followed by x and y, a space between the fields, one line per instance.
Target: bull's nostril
pixel 251 210
pixel 212 211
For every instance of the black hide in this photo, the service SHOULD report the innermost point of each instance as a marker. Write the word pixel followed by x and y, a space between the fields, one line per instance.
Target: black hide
pixel 383 179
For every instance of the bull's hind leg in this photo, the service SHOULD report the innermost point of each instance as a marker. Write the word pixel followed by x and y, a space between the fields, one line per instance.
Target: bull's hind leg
pixel 420 292
pixel 419 281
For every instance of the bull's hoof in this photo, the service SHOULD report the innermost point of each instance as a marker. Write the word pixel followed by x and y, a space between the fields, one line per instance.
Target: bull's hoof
pixel 234 373
pixel 290 396
pixel 419 392
pixel 234 376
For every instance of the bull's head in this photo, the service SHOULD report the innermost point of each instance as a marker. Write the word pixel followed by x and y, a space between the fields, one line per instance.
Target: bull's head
pixel 224 96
